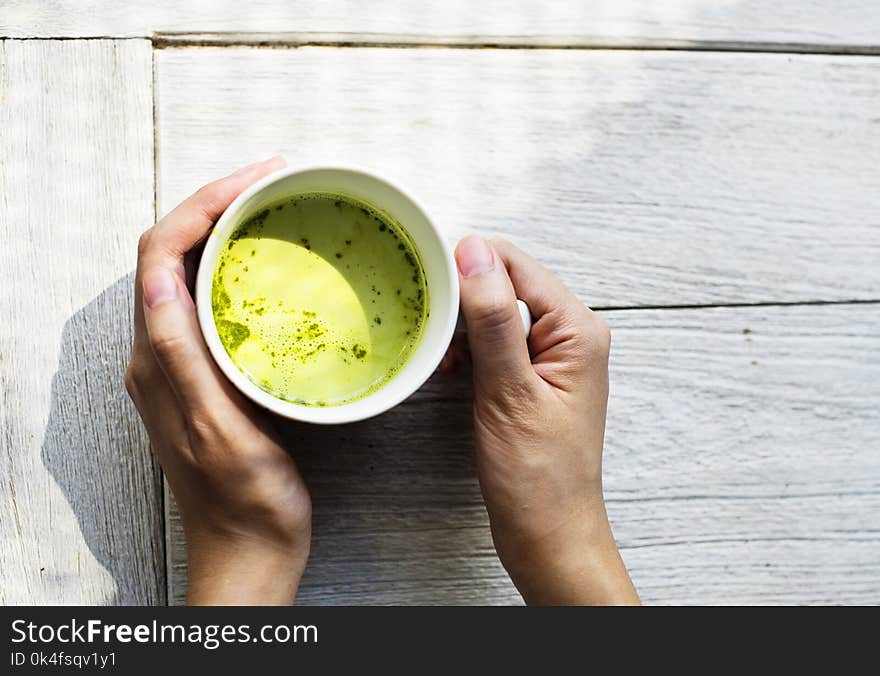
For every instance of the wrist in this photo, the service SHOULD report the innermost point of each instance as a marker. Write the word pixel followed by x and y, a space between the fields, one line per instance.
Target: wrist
pixel 225 572
pixel 577 563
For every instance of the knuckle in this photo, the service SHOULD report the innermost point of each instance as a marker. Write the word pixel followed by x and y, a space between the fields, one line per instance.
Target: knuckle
pixel 132 380
pixel 138 374
pixel 596 345
pixel 144 241
pixel 591 338
pixel 167 346
pixel 207 199
pixel 602 334
pixel 493 313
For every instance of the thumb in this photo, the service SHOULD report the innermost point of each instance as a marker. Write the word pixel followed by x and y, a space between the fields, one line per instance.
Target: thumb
pixel 174 335
pixel 488 302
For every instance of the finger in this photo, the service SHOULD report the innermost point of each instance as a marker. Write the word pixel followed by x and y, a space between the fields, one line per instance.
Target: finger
pixel 497 344
pixel 155 400
pixel 188 224
pixel 541 290
pixel 176 341
pixel 190 221
pixel 559 314
pixel 567 335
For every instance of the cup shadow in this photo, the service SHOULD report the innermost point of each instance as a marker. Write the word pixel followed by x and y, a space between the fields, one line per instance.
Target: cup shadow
pixel 98 453
pixel 398 515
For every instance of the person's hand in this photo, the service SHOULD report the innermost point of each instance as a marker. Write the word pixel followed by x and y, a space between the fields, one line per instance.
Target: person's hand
pixel 244 506
pixel 539 424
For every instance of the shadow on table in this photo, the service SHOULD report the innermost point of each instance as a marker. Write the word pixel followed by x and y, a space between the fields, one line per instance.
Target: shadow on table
pixel 98 453
pixel 398 516
pixel 397 511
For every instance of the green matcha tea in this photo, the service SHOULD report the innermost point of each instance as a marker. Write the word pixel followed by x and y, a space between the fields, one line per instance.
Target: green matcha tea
pixel 319 299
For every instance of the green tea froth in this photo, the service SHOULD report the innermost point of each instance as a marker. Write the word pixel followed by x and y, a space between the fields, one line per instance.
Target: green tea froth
pixel 319 299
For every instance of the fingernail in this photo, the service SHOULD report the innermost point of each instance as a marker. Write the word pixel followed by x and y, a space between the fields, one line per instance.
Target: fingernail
pixel 160 286
pixel 474 256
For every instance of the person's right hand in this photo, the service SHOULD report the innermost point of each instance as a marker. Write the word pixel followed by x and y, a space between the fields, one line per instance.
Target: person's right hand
pixel 539 423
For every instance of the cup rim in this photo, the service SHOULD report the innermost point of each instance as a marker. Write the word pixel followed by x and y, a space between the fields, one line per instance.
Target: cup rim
pixel 360 409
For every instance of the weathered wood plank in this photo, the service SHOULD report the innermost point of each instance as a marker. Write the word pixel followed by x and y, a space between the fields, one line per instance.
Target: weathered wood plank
pixel 740 468
pixel 641 177
pixel 687 179
pixel 806 21
pixel 80 501
pixel 743 462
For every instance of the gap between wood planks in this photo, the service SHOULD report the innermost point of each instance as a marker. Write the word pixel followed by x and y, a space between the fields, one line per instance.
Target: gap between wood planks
pixel 407 41
pixel 381 40
pixel 574 42
pixel 163 502
pixel 745 304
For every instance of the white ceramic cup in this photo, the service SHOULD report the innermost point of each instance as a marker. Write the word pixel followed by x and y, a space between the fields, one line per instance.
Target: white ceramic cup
pixel 439 266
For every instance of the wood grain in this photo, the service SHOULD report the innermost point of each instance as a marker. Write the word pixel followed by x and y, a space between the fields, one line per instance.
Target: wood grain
pixel 742 456
pixel 742 466
pixel 80 506
pixel 643 178
pixel 805 21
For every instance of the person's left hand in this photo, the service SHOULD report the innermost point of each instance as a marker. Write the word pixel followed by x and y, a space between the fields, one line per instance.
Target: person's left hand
pixel 245 509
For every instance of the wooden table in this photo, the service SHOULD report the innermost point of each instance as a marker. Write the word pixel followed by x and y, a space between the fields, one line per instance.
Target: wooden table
pixel 703 173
